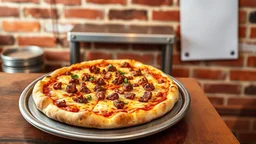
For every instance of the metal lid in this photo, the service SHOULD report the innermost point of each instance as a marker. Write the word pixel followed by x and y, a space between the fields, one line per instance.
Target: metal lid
pixel 20 57
pixel 33 69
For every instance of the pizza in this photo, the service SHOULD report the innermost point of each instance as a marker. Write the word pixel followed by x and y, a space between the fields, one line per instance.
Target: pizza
pixel 105 94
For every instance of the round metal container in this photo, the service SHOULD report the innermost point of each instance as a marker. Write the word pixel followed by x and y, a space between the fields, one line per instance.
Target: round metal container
pixel 31 69
pixel 22 57
pixel 29 59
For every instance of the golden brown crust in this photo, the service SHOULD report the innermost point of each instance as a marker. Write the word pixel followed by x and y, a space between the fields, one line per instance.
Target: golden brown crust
pixel 93 120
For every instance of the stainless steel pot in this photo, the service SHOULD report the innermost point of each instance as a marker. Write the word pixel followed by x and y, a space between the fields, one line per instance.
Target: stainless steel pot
pixel 23 60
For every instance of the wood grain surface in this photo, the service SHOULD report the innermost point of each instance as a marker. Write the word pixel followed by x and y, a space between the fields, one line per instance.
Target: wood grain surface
pixel 201 125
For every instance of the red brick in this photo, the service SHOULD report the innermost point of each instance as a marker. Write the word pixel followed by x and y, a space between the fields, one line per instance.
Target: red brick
pixel 242 16
pixel 243 101
pixel 247 137
pixel 222 88
pixel 6 40
pixel 242 32
pixel 144 58
pixel 64 2
pixel 176 60
pixel 21 1
pixel 52 67
pixel 111 46
pixel 90 55
pixel 172 15
pixel 144 47
pixel 38 41
pixel 243 75
pixel 122 2
pixel 152 2
pixel 85 44
pixel 229 63
pixel 238 124
pixel 180 72
pixel 129 14
pixel 251 61
pixel 247 3
pixel 253 32
pixel 40 12
pixel 250 90
pixel 8 11
pixel 216 100
pixel 57 56
pixel 83 13
pixel 20 26
pixel 209 74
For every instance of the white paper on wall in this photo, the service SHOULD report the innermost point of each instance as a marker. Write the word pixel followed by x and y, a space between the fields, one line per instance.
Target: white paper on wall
pixel 209 29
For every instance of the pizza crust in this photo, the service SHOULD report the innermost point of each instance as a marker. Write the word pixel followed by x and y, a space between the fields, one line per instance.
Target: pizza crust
pixel 92 120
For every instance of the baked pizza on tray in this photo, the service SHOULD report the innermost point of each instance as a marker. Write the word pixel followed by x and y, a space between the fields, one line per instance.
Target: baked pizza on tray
pixel 105 94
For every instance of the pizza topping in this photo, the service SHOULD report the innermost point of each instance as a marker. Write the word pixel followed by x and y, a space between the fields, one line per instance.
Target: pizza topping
pixel 125 65
pixel 147 96
pixel 125 80
pixel 86 77
pixel 127 87
pixel 71 88
pixel 74 76
pixel 119 104
pixel 89 97
pixel 119 80
pixel 94 69
pixel 113 96
pixel 143 81
pixel 92 79
pixel 129 77
pixel 100 81
pixel 135 85
pixel 119 91
pixel 84 88
pixel 100 95
pixel 120 72
pixel 111 68
pixel 129 95
pixel 61 103
pixel 106 75
pixel 57 85
pixel 80 99
pixel 136 73
pixel 98 88
pixel 149 87
pixel 74 80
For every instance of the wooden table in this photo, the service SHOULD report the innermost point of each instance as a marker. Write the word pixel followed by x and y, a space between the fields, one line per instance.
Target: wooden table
pixel 202 124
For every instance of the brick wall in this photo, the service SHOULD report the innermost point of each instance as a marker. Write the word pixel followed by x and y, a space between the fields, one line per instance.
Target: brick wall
pixel 229 84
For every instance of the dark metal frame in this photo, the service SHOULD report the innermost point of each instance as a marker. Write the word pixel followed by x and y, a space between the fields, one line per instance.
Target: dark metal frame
pixel 166 40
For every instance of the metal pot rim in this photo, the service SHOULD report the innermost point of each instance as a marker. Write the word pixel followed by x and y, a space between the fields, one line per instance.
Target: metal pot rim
pixel 36 49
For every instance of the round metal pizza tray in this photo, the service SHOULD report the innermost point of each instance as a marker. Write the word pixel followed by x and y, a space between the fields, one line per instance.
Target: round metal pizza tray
pixel 42 122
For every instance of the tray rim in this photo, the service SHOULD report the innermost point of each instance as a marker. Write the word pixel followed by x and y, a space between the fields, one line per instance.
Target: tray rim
pixel 46 128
